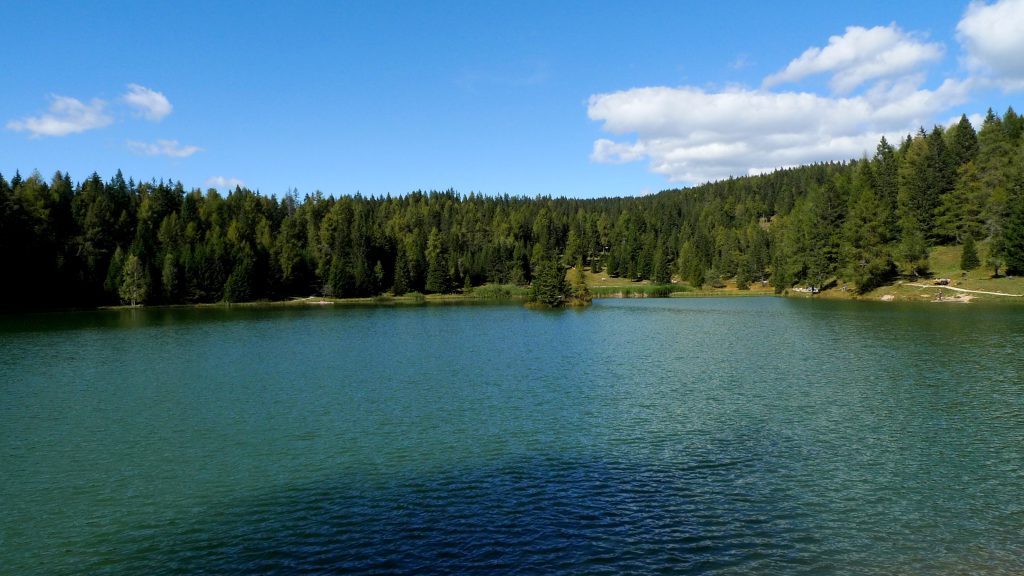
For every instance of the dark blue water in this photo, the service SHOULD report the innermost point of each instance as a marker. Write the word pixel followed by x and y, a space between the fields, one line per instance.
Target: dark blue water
pixel 741 436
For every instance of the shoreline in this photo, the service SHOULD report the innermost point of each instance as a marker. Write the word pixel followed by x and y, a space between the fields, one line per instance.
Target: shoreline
pixel 894 293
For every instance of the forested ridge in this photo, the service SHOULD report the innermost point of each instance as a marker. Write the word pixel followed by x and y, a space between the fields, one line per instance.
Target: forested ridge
pixel 862 222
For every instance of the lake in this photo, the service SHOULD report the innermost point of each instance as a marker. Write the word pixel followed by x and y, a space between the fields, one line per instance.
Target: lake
pixel 675 436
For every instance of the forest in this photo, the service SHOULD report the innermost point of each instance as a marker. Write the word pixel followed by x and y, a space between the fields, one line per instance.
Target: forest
pixel 864 222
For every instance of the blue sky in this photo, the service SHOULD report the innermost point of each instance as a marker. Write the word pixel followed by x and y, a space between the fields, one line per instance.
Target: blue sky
pixel 555 98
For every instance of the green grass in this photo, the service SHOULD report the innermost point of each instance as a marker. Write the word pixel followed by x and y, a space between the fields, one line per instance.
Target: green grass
pixel 944 262
pixel 604 286
pixel 498 292
pixel 638 291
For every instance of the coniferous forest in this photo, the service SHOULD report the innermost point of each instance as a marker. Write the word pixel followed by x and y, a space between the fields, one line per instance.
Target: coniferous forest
pixel 864 222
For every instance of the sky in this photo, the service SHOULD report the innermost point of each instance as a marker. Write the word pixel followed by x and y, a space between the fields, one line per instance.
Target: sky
pixel 578 99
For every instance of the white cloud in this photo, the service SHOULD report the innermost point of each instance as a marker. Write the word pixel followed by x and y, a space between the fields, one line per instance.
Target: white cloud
pixel 858 56
pixel 66 116
pixel 690 135
pixel 992 36
pixel 169 148
pixel 223 183
pixel 975 119
pixel 148 103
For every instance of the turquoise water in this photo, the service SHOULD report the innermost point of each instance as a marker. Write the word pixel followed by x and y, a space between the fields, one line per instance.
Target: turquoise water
pixel 703 436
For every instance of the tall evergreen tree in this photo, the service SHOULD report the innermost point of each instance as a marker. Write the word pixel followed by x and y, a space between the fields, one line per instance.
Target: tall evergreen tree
pixel 549 287
pixel 969 255
pixel 1013 238
pixel 963 141
pixel 913 252
pixel 885 170
pixel 400 284
pixel 134 285
pixel 437 264
pixel 918 187
pixel 868 262
pixel 580 292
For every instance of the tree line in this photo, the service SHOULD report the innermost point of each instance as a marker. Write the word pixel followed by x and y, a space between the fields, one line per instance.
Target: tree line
pixel 864 221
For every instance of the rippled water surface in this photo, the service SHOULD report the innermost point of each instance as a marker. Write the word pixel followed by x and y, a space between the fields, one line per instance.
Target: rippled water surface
pixel 740 436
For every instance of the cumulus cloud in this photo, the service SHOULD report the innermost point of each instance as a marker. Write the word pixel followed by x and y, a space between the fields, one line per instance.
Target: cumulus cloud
pixel 65 116
pixel 223 183
pixel 169 148
pixel 993 42
pixel 879 87
pixel 691 135
pixel 150 104
pixel 858 56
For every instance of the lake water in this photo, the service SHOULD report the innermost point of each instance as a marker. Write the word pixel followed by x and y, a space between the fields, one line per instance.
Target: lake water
pixel 703 436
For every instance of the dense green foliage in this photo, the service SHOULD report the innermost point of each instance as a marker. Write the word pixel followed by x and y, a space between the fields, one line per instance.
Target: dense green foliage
pixel 969 255
pixel 102 242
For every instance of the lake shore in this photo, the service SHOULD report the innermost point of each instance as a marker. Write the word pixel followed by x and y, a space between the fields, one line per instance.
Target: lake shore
pixel 895 293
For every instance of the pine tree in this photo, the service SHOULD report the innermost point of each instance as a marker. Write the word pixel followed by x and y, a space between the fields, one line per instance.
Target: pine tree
pixel 690 265
pixel 239 285
pixel 133 281
pixel 1013 239
pixel 969 255
pixel 996 254
pixel 913 252
pixel 885 168
pixel 169 278
pixel 959 211
pixel 401 281
pixel 963 141
pixel 994 164
pixel 662 273
pixel 549 287
pixel 866 254
pixel 1014 125
pixel 437 264
pixel 918 187
pixel 713 278
pixel 580 291
pixel 743 273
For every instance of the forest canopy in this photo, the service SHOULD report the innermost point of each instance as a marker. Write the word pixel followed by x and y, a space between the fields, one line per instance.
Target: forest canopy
pixel 864 221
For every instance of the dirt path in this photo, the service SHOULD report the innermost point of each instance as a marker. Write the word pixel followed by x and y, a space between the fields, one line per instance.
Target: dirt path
pixel 964 290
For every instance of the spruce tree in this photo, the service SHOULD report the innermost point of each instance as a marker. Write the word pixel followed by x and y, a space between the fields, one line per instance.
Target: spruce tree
pixel 996 254
pixel 918 187
pixel 868 262
pixel 437 264
pixel 549 287
pixel 963 141
pixel 913 253
pixel 1013 239
pixel 969 255
pixel 401 282
pixel 580 291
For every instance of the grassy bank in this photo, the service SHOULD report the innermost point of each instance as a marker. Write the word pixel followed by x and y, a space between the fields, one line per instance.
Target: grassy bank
pixel 603 286
pixel 943 263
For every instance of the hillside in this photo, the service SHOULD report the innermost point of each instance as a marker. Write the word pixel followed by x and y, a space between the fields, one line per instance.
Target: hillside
pixel 862 224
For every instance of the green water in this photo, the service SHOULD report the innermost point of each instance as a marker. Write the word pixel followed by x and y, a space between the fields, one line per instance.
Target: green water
pixel 740 436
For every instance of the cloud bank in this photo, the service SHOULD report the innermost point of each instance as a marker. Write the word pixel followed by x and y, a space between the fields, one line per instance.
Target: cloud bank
pixel 861 55
pixel 690 135
pixel 992 36
pixel 878 82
